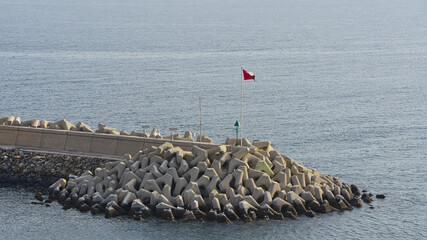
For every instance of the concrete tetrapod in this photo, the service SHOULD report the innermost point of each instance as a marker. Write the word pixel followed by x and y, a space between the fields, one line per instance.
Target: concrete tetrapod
pixel 242 183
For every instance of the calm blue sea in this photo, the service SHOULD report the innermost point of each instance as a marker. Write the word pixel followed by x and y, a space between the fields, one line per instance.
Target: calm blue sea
pixel 340 85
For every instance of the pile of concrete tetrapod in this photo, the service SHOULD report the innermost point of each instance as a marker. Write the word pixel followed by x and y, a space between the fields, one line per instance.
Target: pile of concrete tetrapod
pixel 64 124
pixel 224 183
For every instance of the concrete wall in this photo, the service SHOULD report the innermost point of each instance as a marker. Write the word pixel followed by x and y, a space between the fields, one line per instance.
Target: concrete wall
pixel 83 141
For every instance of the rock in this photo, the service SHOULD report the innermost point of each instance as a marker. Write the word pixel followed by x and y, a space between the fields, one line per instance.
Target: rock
pixel 188 215
pixel 355 201
pixel 65 125
pixel 204 139
pixel 44 124
pixel 307 196
pixel 16 121
pixel 39 196
pixel 113 210
pixel 380 196
pixel 261 144
pixel 355 190
pixel 212 215
pixel 366 198
pixel 263 167
pixel 230 213
pixel 8 120
pixel 291 215
pixel 244 207
pixel 200 155
pixel 222 218
pixel 199 214
pixel 315 206
pixel 96 209
pixel 178 212
pixel 62 196
pixel 155 133
pixel 30 123
pixel 84 208
pixel 55 187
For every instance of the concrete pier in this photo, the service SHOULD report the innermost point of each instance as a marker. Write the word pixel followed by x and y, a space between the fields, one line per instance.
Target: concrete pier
pixel 84 142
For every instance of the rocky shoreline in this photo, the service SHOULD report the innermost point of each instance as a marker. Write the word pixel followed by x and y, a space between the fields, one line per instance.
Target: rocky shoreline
pixel 39 170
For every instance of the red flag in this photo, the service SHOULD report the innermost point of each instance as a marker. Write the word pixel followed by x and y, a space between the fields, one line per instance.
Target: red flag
pixel 248 75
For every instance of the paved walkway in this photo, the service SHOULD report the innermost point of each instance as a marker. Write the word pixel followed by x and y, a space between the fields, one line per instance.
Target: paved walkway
pixel 79 154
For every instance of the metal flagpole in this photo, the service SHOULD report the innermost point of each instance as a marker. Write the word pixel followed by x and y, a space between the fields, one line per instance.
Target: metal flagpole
pixel 200 108
pixel 241 108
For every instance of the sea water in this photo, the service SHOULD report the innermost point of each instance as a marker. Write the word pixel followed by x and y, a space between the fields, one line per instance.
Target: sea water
pixel 340 86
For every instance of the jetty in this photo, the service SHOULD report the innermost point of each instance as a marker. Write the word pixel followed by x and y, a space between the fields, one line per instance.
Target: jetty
pixel 171 177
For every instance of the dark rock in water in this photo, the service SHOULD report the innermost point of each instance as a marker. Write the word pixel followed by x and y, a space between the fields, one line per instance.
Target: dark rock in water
pixel 326 207
pixel 245 217
pixel 87 199
pixel 84 208
pixel 80 201
pixel 355 190
pixel 289 209
pixel 63 195
pixel 230 214
pixel 47 205
pixel 252 214
pixel 315 206
pixel 277 216
pixel 212 215
pixel 341 205
pixel 178 212
pixel 167 214
pixel 37 203
pixel 371 207
pixel 347 204
pixel 291 215
pixel 310 213
pixel 222 218
pixel 66 206
pixel 74 198
pixel 47 201
pixel 366 198
pixel 147 212
pixel 39 196
pixel 188 215
pixel 110 212
pixel 54 194
pixel 116 207
pixel 266 212
pixel 299 206
pixel 96 209
pixel 199 213
pixel 67 201
pixel 355 201
pixel 61 198
pixel 380 196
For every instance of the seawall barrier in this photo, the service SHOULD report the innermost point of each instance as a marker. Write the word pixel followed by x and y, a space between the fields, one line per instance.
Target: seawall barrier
pixel 85 142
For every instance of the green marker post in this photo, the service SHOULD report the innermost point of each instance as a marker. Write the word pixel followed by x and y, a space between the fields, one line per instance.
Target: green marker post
pixel 237 125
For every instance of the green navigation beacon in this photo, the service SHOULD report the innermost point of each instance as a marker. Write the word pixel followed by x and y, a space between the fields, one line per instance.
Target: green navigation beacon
pixel 237 125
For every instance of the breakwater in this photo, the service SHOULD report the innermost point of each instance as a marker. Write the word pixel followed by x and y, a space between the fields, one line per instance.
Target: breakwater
pixel 167 177
pixel 248 182
pixel 85 142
